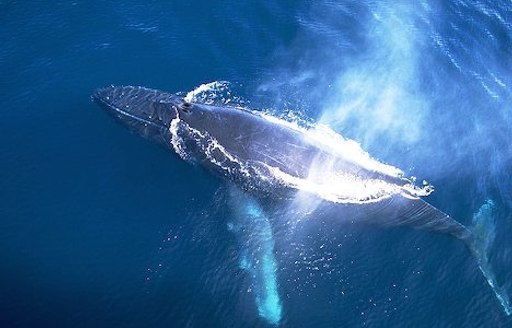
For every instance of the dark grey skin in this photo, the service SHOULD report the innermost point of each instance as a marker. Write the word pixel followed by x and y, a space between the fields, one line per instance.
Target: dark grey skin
pixel 259 144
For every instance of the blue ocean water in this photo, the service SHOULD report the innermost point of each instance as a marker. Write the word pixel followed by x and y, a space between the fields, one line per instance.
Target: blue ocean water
pixel 99 227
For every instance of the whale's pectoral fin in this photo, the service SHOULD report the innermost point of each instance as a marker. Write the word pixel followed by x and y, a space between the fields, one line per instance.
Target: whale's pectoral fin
pixel 483 234
pixel 257 253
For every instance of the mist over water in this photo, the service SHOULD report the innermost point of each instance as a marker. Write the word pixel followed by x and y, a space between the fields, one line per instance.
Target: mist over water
pixel 420 84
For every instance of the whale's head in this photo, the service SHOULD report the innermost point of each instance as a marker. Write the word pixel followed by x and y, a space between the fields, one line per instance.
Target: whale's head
pixel 202 133
pixel 144 111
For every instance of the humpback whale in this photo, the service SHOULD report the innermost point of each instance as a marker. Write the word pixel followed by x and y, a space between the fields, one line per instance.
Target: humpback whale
pixel 266 158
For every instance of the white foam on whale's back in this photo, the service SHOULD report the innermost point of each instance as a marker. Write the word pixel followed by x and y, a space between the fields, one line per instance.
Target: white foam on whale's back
pixel 328 183
pixel 327 139
pixel 323 179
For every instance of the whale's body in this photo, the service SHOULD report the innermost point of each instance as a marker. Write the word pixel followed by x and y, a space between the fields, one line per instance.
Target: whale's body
pixel 268 158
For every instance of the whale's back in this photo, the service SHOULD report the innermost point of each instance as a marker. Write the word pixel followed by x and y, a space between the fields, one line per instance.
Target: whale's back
pixel 236 141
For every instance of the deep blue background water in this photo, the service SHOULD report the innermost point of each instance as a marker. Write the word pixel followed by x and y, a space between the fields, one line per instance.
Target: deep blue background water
pixel 101 228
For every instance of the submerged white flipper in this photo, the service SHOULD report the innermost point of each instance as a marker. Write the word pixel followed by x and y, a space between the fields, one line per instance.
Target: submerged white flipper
pixel 483 232
pixel 257 253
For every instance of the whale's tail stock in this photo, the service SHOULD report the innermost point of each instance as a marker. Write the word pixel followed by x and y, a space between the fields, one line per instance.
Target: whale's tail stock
pixel 483 231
